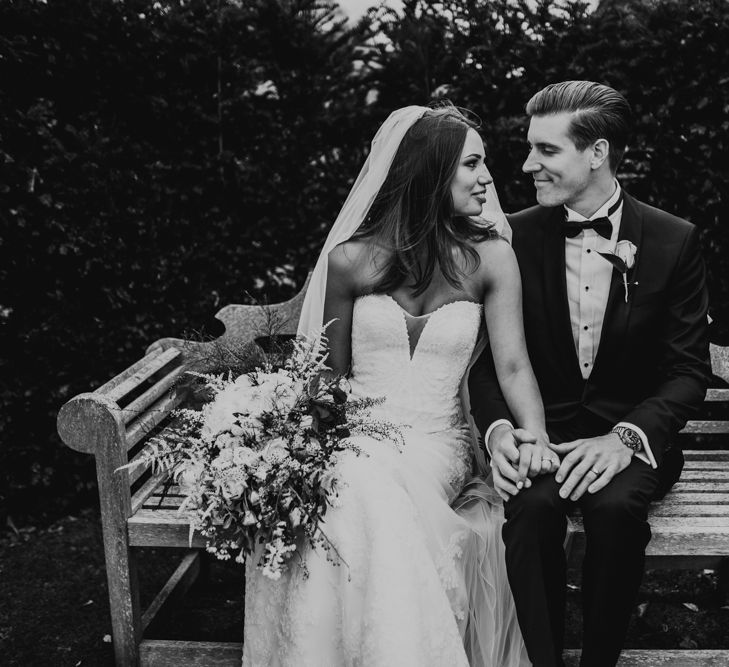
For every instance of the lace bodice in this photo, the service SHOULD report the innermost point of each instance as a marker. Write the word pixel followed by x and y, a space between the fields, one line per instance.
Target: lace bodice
pixel 417 578
pixel 415 363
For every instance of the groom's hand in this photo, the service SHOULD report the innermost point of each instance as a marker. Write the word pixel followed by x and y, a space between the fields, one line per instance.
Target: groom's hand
pixel 589 464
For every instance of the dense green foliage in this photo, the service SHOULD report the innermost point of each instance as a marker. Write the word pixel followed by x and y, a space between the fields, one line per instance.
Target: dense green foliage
pixel 161 159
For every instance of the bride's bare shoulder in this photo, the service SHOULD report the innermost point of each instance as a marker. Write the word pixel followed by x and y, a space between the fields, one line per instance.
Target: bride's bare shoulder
pixel 356 261
pixel 496 260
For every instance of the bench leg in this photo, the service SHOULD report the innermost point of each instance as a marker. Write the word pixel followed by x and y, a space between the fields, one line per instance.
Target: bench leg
pixel 121 570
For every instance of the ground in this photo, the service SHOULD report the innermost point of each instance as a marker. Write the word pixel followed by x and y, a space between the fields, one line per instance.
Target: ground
pixel 55 611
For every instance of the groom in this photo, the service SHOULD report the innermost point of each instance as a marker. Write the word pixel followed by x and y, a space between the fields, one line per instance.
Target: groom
pixel 615 310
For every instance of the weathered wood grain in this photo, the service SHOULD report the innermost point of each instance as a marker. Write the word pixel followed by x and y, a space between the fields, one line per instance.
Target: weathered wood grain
pixel 121 567
pixel 717 396
pixel 149 420
pixel 662 658
pixel 720 361
pixel 143 373
pixel 142 402
pixel 171 653
pixel 706 427
pixel 146 490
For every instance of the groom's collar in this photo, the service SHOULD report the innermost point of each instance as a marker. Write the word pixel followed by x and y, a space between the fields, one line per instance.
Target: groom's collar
pixel 601 212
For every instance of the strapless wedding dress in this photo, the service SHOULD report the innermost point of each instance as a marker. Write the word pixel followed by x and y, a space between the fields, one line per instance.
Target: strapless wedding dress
pixel 421 584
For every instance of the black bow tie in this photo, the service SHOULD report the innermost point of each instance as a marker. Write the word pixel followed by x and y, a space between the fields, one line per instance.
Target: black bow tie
pixel 602 226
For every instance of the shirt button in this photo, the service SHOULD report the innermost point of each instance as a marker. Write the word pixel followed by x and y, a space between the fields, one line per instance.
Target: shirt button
pixel 585 327
pixel 589 251
pixel 586 364
pixel 586 288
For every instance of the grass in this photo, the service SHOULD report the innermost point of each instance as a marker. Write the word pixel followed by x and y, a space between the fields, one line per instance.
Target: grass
pixel 55 608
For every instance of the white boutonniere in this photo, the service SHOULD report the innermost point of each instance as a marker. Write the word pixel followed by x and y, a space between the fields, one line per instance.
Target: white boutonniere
pixel 623 259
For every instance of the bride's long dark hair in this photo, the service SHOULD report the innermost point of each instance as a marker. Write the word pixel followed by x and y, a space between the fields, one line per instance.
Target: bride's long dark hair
pixel 412 216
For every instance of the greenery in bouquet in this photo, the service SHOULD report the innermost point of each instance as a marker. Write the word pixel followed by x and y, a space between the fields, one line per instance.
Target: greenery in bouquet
pixel 257 463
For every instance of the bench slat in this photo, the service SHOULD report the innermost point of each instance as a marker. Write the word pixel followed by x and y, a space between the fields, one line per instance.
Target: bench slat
pixel 709 475
pixel 151 395
pixel 690 510
pixel 142 426
pixel 144 372
pixel 717 395
pixel 127 372
pixel 175 653
pixel 161 528
pixel 717 464
pixel 686 498
pixel 146 490
pixel 700 487
pixel 706 427
pixel 705 455
pixel 661 658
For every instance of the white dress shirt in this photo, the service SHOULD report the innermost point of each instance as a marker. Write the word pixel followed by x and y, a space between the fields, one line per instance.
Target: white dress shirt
pixel 588 286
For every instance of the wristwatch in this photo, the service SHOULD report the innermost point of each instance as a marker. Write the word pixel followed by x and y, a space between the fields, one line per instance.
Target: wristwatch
pixel 629 437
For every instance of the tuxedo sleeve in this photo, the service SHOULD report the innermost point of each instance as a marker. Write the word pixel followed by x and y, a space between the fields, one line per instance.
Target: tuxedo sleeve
pixel 487 402
pixel 684 366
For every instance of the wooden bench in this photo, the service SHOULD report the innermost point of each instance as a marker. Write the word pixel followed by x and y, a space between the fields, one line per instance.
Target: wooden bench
pixel 690 527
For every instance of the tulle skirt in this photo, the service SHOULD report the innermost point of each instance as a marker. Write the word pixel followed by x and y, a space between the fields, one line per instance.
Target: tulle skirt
pixel 419 578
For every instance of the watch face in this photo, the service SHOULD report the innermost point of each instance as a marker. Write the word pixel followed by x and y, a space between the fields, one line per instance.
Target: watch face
pixel 631 439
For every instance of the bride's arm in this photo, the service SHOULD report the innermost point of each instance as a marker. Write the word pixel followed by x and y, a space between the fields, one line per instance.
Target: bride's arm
pixel 504 321
pixel 338 306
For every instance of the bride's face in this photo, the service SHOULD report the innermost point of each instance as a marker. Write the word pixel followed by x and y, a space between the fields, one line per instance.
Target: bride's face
pixel 468 187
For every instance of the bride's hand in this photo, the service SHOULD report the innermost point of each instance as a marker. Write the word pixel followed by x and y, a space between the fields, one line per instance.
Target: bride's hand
pixel 505 445
pixel 536 457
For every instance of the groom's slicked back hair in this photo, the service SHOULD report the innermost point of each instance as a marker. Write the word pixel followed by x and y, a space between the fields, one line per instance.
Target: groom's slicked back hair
pixel 600 112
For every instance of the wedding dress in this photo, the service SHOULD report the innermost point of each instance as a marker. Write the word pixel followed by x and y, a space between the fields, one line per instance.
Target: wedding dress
pixel 420 583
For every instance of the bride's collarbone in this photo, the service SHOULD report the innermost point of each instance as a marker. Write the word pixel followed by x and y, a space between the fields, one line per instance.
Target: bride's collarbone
pixel 429 301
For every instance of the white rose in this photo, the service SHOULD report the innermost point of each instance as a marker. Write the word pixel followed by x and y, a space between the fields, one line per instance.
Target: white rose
pixel 234 486
pixel 189 477
pixel 244 456
pixel 219 415
pixel 275 448
pixel 625 250
pixel 280 391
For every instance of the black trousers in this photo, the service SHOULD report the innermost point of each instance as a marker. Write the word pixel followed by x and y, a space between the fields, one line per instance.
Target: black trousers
pixel 616 533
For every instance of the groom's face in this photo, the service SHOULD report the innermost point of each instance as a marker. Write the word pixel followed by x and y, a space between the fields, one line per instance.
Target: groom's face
pixel 562 173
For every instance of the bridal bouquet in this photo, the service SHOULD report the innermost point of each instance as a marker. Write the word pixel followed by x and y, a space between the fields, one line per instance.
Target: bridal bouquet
pixel 256 464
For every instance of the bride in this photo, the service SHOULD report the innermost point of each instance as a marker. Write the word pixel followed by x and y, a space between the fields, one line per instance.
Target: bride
pixel 409 277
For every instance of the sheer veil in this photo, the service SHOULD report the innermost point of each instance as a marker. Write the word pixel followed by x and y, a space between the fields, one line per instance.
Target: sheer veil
pixel 368 183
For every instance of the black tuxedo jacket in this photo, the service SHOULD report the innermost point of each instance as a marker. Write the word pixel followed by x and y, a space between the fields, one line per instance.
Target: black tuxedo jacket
pixel 652 364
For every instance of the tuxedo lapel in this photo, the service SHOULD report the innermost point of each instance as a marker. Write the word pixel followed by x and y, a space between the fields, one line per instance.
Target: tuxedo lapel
pixel 617 311
pixel 555 292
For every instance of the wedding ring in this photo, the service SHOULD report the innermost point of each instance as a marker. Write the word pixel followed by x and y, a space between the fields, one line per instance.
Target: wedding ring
pixel 595 472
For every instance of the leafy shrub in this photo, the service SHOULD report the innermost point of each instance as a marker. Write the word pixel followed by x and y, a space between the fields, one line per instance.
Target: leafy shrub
pixel 161 159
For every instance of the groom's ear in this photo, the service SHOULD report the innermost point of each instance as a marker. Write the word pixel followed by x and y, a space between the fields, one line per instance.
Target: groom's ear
pixel 600 152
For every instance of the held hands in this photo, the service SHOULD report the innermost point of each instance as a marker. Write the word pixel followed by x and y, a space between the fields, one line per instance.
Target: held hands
pixel 589 464
pixel 517 455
